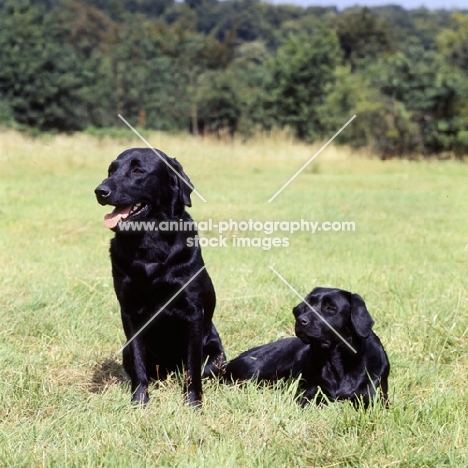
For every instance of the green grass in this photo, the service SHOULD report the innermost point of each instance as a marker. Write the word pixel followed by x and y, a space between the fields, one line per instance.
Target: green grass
pixel 63 402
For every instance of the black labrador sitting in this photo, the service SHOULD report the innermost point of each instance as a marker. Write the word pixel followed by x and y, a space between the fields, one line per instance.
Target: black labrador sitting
pixel 151 263
pixel 351 366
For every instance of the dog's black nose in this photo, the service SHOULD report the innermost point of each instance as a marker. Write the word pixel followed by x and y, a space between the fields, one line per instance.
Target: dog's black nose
pixel 303 320
pixel 102 192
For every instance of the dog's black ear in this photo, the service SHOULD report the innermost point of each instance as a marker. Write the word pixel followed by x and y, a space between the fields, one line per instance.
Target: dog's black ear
pixel 360 318
pixel 183 187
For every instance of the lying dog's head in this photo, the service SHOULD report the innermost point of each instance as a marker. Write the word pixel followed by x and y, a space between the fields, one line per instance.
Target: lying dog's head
pixel 342 310
pixel 144 185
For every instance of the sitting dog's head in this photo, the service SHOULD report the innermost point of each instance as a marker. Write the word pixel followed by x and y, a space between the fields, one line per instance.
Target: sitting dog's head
pixel 144 185
pixel 332 309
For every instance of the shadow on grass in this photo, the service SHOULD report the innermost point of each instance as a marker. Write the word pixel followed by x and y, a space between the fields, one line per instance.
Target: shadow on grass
pixel 106 374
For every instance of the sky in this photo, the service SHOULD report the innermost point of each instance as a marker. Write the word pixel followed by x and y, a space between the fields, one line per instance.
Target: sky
pixel 407 4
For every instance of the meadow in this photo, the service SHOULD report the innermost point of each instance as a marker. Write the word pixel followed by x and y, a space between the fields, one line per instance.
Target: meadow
pixel 63 398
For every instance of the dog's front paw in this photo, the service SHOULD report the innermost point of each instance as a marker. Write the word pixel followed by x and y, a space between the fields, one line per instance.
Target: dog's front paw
pixel 304 402
pixel 194 400
pixel 140 397
pixel 196 404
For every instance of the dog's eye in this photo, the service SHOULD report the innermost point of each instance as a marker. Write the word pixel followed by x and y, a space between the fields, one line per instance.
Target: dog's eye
pixel 112 169
pixel 329 309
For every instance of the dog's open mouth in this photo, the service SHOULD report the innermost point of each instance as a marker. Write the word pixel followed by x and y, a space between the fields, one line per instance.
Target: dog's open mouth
pixel 123 213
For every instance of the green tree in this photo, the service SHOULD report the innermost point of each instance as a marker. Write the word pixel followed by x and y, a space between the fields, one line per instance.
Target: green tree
pixel 40 77
pixel 362 37
pixel 119 9
pixel 193 56
pixel 251 74
pixel 56 73
pixel 145 82
pixel 92 35
pixel 432 91
pixel 218 103
pixel 302 73
pixel 382 124
pixel 158 72
pixel 453 43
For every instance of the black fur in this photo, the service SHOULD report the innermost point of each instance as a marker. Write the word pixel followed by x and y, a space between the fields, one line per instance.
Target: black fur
pixel 319 356
pixel 150 266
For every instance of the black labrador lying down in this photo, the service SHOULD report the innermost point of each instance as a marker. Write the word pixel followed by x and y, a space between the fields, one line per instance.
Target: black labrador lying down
pixel 150 265
pixel 319 355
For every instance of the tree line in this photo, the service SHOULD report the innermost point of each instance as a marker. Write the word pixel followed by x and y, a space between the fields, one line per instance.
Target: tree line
pixel 237 67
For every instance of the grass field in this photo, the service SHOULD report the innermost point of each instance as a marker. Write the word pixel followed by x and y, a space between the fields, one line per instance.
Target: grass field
pixel 63 402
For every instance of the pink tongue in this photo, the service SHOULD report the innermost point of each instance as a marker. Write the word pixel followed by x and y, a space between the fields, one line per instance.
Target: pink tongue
pixel 111 220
